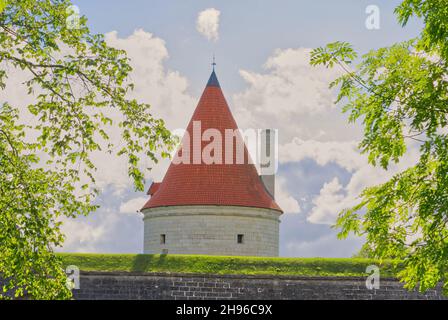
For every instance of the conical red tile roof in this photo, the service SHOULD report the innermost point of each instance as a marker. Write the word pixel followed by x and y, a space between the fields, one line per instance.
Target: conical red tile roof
pixel 211 184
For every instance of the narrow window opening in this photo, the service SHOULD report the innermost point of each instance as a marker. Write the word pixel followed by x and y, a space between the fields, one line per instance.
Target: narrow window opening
pixel 162 238
pixel 240 238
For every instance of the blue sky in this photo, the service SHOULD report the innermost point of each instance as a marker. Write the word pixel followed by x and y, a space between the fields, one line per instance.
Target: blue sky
pixel 262 54
pixel 250 30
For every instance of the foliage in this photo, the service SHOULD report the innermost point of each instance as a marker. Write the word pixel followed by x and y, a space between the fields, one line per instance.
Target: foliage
pixel 400 95
pixel 76 82
pixel 365 252
pixel 226 264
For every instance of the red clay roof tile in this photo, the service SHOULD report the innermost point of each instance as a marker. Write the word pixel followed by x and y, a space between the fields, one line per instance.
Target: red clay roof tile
pixel 212 184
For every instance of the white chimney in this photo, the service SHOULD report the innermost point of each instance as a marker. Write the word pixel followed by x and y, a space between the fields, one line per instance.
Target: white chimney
pixel 268 159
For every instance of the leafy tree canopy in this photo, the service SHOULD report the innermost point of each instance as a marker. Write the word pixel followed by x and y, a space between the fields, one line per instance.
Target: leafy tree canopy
pixel 399 93
pixel 76 79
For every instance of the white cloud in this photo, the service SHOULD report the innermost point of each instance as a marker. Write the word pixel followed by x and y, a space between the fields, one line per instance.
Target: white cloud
pixel 106 230
pixel 207 23
pixel 133 205
pixel 287 202
pixel 82 235
pixel 324 246
pixel 334 197
pixel 289 95
pixel 343 153
pixel 330 201
pixel 166 91
pixel 294 97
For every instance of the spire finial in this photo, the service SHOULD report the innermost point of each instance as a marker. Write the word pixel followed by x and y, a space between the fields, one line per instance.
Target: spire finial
pixel 214 63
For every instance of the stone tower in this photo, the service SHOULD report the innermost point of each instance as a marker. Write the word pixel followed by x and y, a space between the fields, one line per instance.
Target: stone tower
pixel 217 208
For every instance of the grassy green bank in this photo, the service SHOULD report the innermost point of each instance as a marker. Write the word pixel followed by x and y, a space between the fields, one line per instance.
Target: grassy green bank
pixel 227 265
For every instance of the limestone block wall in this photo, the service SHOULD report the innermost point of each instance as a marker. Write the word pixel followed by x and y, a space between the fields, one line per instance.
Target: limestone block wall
pixel 109 285
pixel 211 230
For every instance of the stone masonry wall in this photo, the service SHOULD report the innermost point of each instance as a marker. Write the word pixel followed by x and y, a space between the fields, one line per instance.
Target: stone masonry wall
pixel 212 230
pixel 95 285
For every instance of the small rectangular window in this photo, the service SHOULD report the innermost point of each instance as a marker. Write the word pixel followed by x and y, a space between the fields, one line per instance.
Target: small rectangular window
pixel 240 238
pixel 162 239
